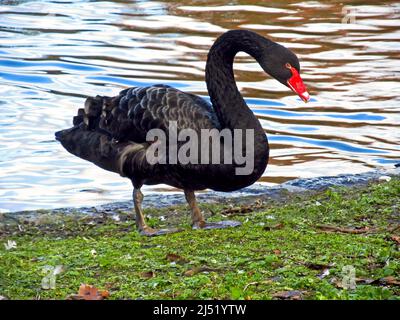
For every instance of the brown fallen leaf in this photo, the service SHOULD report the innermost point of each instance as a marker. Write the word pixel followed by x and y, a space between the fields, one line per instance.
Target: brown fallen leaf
pixel 367 281
pixel 242 209
pixel 396 239
pixel 387 281
pixel 289 295
pixel 277 252
pixel 236 210
pixel 363 281
pixel 344 230
pixel 277 226
pixel 391 281
pixel 89 292
pixel 148 274
pixel 172 257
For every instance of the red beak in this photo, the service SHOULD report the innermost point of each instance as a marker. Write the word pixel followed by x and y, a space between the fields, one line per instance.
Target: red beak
pixel 296 84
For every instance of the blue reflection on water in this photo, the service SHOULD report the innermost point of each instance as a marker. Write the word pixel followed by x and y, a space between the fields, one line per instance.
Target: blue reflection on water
pixel 25 78
pixel 387 161
pixel 295 114
pixel 135 83
pixel 324 143
pixel 59 65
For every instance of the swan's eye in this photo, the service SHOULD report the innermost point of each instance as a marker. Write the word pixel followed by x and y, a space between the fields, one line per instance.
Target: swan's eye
pixel 288 65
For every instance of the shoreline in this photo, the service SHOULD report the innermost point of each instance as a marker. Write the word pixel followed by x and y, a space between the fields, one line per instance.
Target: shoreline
pixel 257 191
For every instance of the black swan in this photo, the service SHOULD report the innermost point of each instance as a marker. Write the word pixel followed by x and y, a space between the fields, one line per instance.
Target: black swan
pixel 111 131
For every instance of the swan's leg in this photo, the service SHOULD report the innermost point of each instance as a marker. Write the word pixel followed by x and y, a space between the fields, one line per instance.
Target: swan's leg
pixel 197 217
pixel 143 228
pixel 137 200
pixel 198 221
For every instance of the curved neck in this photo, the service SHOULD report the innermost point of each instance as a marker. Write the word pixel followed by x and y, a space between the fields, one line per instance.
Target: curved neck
pixel 229 105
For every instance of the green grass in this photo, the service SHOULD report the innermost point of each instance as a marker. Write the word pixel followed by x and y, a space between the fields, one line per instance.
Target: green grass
pixel 278 248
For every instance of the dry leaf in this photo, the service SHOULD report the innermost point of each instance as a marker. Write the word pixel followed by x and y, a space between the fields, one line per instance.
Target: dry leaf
pixel 395 239
pixel 88 292
pixel 242 209
pixel 344 230
pixel 277 252
pixel 387 281
pixel 367 281
pixel 148 274
pixel 391 281
pixel 289 295
pixel 274 227
pixel 363 281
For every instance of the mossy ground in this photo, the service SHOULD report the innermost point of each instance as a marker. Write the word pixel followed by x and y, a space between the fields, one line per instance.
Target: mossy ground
pixel 277 249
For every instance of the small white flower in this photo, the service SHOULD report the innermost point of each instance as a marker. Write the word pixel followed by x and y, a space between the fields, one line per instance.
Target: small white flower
pixel 11 244
pixel 93 252
pixel 317 203
pixel 115 217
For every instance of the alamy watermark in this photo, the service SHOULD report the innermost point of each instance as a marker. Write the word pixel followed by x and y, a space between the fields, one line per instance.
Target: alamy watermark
pixel 348 277
pixel 351 13
pixel 50 274
pixel 209 146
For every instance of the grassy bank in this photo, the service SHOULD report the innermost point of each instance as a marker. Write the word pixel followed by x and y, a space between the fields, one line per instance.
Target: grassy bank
pixel 291 249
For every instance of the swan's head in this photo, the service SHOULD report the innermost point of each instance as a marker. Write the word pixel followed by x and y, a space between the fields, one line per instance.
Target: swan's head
pixel 284 66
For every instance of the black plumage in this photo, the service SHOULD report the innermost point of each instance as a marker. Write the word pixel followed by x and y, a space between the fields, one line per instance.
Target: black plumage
pixel 111 131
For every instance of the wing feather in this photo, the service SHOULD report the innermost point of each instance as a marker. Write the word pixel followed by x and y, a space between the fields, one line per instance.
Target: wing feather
pixel 135 111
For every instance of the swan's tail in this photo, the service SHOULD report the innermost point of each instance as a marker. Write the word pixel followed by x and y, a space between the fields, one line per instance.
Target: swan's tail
pixel 94 135
pixel 90 145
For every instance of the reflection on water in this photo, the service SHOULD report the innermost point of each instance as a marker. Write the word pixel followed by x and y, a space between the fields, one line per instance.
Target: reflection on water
pixel 55 53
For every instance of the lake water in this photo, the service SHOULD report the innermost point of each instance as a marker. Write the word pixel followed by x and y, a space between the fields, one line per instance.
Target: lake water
pixel 55 53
